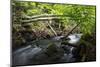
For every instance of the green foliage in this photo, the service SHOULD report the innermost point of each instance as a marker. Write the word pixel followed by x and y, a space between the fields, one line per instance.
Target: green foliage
pixel 74 13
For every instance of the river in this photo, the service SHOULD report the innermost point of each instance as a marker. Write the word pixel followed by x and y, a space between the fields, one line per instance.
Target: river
pixel 27 55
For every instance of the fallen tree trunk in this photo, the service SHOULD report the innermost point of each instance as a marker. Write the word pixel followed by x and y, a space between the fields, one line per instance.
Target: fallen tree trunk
pixel 51 27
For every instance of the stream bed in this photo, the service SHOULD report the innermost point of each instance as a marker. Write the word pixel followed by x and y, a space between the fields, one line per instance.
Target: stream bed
pixel 39 53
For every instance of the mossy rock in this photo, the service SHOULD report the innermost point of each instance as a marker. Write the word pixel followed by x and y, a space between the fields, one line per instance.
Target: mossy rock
pixel 51 49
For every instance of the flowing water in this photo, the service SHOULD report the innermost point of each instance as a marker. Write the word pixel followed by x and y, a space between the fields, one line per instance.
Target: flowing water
pixel 26 55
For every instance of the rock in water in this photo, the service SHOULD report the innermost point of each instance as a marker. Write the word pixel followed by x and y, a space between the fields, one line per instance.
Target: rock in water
pixel 51 54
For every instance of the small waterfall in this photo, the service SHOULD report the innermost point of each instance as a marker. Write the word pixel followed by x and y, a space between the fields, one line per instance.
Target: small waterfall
pixel 74 38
